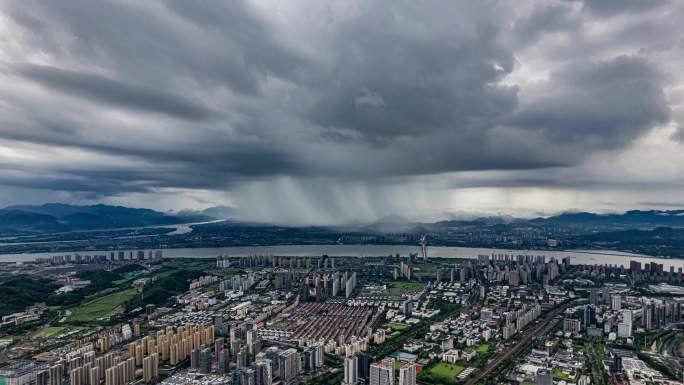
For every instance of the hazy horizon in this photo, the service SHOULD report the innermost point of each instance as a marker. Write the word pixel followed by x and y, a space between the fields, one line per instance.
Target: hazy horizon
pixel 242 215
pixel 342 112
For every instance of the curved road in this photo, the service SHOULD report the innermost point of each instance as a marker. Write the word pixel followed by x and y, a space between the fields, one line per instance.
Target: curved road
pixel 669 351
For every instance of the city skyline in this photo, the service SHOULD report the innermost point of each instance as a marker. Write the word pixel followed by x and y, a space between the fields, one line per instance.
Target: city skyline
pixel 331 113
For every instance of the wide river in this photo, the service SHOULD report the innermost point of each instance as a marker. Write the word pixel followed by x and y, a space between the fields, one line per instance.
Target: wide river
pixel 577 256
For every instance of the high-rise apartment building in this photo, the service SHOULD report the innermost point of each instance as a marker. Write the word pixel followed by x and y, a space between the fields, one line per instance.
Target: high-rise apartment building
pixel 350 371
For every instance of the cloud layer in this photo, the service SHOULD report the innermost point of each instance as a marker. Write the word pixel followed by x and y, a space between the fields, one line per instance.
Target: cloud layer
pixel 338 111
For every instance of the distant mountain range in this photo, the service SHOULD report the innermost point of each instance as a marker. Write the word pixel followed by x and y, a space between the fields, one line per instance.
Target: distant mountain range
pixel 398 224
pixel 56 217
pixel 216 212
pixel 634 218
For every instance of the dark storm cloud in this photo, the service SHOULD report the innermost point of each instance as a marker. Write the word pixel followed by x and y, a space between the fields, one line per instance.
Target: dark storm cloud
pixel 210 95
pixel 261 54
pixel 81 182
pixel 161 44
pixel 108 91
pixel 598 105
pixel 392 80
pixel 93 187
pixel 544 18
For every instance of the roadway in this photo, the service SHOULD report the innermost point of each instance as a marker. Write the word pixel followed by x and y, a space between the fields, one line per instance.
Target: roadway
pixel 669 351
pixel 541 328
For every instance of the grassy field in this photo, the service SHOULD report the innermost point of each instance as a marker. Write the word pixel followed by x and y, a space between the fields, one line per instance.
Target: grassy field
pixel 50 332
pixel 426 271
pixel 224 272
pixel 11 337
pixel 482 348
pixel 400 287
pixel 407 285
pixel 102 307
pixel 448 371
pixel 212 287
pixel 559 374
pixel 54 331
pixel 396 326
pixel 102 293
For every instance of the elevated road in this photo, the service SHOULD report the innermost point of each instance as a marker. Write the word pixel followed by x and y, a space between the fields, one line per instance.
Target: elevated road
pixel 541 328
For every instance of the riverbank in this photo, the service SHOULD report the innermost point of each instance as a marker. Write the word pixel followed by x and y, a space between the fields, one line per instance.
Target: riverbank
pixel 576 256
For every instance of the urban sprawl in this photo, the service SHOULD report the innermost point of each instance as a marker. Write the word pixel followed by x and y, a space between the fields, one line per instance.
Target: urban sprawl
pixel 134 317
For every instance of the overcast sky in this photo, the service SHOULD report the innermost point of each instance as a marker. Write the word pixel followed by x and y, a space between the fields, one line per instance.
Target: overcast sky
pixel 342 111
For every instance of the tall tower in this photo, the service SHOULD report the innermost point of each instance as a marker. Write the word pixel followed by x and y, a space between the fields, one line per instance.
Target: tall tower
pixel 423 248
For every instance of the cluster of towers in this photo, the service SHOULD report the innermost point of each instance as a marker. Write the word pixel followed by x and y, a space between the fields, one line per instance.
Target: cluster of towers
pixel 325 285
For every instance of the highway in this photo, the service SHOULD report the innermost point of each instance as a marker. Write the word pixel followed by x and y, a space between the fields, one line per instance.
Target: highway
pixel 669 351
pixel 542 328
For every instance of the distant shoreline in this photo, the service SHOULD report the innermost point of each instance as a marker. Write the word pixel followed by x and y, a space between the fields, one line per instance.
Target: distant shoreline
pixel 593 257
pixel 506 250
pixel 614 252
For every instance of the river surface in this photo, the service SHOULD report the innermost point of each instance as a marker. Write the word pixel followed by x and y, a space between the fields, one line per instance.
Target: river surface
pixel 577 256
pixel 181 228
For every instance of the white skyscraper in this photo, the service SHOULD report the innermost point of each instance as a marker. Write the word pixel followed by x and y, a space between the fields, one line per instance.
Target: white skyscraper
pixel 350 285
pixel 486 314
pixel 407 375
pixel 381 374
pixel 625 327
pixel 616 302
pixel 350 371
